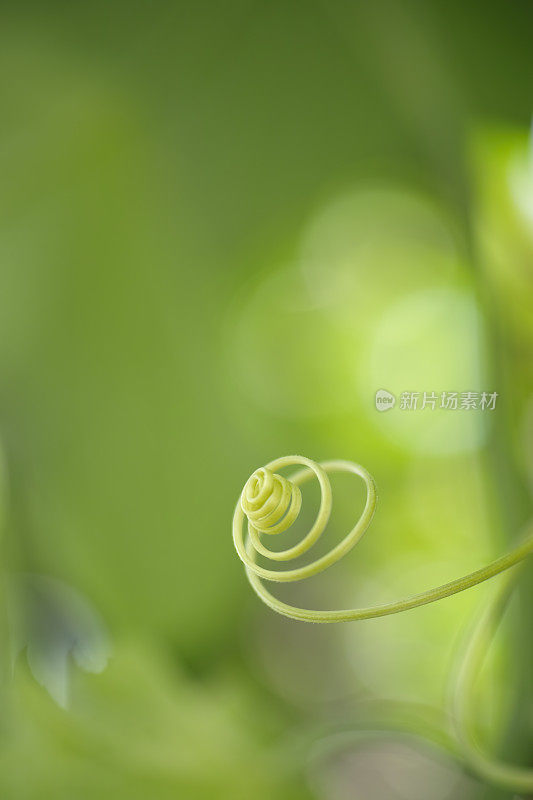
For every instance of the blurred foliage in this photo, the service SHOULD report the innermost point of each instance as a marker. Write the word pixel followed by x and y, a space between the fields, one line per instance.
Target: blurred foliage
pixel 196 198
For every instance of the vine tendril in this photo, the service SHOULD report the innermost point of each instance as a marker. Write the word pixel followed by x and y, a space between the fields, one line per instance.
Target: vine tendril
pixel 271 504
pixel 462 712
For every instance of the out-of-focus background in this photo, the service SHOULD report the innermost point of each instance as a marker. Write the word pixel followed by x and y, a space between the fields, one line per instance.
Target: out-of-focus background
pixel 224 227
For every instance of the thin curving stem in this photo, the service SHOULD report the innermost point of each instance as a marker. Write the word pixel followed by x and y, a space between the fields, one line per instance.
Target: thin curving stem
pixel 271 504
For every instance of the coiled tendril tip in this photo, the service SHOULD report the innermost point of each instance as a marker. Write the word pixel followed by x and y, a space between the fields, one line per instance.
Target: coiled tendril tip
pixel 271 503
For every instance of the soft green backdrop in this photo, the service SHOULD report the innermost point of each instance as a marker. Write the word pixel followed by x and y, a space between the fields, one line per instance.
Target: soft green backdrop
pixel 195 198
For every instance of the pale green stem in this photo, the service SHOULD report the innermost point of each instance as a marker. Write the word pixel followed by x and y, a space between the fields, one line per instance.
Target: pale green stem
pixel 508 776
pixel 255 572
pixel 271 504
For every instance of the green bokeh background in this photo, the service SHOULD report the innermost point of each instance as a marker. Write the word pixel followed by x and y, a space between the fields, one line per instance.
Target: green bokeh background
pixel 223 227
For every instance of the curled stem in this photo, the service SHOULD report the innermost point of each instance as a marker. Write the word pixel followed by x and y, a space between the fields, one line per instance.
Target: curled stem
pixel 271 504
pixel 259 493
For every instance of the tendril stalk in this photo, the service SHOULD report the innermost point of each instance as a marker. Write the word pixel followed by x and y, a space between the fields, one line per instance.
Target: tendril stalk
pixel 462 712
pixel 271 504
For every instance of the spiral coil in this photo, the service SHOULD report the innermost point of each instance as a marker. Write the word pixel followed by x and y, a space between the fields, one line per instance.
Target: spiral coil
pixel 271 503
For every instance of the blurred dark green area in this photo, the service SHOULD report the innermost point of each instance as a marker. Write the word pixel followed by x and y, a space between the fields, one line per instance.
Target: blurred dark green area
pixel 223 227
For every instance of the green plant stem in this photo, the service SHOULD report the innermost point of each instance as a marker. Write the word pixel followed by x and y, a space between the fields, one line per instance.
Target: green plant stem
pixel 267 496
pixel 507 776
pixel 255 572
